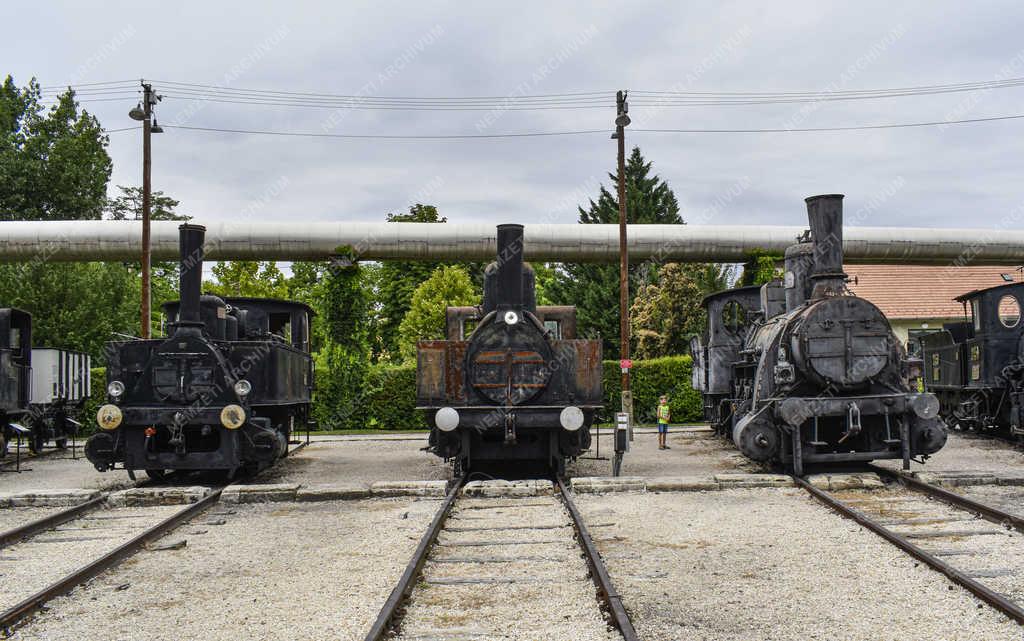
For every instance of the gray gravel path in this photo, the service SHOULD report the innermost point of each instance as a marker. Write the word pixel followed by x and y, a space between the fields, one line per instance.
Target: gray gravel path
pixel 58 471
pixel 692 453
pixel 359 461
pixel 12 517
pixel 297 571
pixel 773 564
pixel 966 452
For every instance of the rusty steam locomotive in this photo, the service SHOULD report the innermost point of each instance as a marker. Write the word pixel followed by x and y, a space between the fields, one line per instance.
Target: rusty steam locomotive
pixel 804 372
pixel 223 391
pixel 521 390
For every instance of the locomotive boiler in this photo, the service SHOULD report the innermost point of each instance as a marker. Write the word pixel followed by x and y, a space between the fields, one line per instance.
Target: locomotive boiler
pixel 804 372
pixel 519 394
pixel 223 391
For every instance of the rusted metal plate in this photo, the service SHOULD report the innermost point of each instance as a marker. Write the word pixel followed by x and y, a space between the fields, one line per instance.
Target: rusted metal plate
pixel 589 387
pixel 454 377
pixel 431 360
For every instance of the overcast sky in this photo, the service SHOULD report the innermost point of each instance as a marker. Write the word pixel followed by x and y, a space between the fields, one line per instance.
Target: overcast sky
pixel 965 175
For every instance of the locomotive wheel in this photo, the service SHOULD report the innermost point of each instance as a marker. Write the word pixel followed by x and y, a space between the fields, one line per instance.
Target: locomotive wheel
pixel 36 441
pixel 157 475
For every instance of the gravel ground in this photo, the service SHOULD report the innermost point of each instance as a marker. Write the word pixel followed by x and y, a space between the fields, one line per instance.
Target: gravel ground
pixel 967 452
pixel 12 517
pixel 1007 498
pixel 297 571
pixel 692 452
pixel 773 564
pixel 58 471
pixel 359 461
pixel 30 566
pixel 523 583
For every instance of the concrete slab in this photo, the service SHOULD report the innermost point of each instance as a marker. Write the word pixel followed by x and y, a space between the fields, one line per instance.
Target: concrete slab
pixel 48 498
pixel 143 496
pixel 335 492
pixel 730 481
pixel 409 488
pixel 273 493
pixel 681 484
pixel 499 488
pixel 861 481
pixel 602 484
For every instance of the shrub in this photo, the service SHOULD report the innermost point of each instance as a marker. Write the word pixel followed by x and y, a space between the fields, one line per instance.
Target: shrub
pixel 97 397
pixel 649 379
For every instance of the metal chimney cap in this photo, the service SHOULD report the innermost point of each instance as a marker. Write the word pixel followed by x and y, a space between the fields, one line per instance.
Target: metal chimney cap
pixel 823 196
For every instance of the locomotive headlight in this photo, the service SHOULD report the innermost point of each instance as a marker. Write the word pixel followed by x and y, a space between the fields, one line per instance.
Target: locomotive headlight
pixel 242 388
pixel 115 389
pixel 232 417
pixel 109 417
pixel 511 318
pixel 446 419
pixel 571 418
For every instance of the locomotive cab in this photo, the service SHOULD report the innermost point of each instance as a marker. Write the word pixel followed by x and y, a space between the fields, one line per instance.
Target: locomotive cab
pixel 15 372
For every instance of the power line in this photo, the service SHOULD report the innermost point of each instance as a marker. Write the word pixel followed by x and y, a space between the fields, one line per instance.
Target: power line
pixel 849 128
pixel 391 136
pixel 594 131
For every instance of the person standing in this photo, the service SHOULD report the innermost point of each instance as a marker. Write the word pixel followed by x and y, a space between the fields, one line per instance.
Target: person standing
pixel 663 417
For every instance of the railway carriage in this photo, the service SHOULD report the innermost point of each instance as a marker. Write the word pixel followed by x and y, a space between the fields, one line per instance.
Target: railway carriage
pixel 520 391
pixel 223 391
pixel 975 367
pixel 801 371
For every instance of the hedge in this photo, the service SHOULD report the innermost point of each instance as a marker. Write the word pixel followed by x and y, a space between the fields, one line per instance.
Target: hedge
pixel 389 399
pixel 649 379
pixel 97 397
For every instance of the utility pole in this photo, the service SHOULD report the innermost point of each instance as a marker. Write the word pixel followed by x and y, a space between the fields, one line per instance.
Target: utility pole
pixel 144 112
pixel 621 122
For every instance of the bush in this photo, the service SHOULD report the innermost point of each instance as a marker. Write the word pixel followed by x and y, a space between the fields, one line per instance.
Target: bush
pixel 97 397
pixel 669 375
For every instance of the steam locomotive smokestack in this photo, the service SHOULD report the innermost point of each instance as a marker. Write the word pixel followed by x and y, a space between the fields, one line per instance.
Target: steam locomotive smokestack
pixel 825 214
pixel 190 242
pixel 510 265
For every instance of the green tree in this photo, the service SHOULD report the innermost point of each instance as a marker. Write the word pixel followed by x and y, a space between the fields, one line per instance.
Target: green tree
pixel 395 283
pixel 759 268
pixel 259 279
pixel 128 206
pixel 448 286
pixel 344 357
pixel 54 166
pixel 594 289
pixel 667 312
pixel 53 162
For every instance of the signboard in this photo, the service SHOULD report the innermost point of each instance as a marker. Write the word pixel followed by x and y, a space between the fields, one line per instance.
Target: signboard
pixel 626 365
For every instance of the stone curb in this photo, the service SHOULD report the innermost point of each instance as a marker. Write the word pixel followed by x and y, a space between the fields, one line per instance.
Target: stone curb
pixel 498 488
pixel 271 493
pixel 346 492
pixel 601 485
pixel 47 498
pixel 146 496
pixel 409 488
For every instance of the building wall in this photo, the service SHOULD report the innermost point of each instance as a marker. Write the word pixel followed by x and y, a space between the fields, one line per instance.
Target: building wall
pixel 902 326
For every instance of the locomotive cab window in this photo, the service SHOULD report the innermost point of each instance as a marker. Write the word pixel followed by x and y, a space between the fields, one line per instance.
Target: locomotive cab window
pixel 281 325
pixel 976 314
pixel 15 341
pixel 468 327
pixel 734 316
pixel 1009 311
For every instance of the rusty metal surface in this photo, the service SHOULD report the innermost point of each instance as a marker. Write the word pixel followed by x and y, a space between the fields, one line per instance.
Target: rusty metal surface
pixel 589 370
pixel 431 358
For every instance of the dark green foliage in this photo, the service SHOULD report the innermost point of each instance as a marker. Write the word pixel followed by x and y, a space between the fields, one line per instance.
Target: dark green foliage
pixel 97 397
pixel 594 289
pixel 389 400
pixel 344 356
pixel 128 206
pixel 759 269
pixel 650 379
pixel 53 162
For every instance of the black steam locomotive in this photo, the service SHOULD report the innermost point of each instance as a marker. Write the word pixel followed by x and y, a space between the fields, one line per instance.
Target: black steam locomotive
pixel 804 372
pixel 521 391
pixel 223 391
pixel 976 367
pixel 15 373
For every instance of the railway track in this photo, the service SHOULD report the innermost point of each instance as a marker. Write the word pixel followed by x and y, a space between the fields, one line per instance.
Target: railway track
pixel 498 568
pixel 105 537
pixel 975 545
